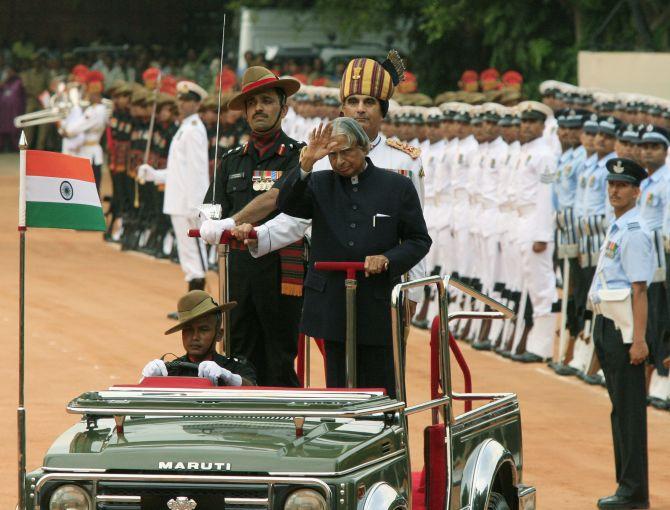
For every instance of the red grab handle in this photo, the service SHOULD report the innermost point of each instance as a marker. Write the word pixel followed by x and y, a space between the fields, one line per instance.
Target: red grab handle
pixel 226 236
pixel 348 267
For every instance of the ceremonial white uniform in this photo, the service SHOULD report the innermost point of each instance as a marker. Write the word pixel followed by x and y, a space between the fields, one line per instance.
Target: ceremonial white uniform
pixel 538 163
pixel 465 159
pixel 91 125
pixel 72 143
pixel 186 182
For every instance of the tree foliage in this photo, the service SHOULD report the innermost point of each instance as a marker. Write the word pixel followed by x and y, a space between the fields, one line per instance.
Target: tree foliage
pixel 539 38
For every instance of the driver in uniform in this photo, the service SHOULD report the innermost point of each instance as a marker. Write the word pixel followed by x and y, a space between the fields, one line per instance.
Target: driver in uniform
pixel 200 325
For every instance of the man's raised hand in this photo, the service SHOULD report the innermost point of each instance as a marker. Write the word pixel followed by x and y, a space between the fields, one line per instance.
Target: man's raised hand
pixel 318 146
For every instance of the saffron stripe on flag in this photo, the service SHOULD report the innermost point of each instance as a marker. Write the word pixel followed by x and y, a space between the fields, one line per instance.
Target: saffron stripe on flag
pixel 55 164
pixel 63 215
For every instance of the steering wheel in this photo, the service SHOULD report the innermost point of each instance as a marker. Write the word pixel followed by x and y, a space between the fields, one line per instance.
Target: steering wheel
pixel 178 364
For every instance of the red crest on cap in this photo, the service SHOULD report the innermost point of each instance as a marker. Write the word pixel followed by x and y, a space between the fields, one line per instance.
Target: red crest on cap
pixel 512 77
pixel 150 74
pixel 169 85
pixel 95 81
pixel 469 76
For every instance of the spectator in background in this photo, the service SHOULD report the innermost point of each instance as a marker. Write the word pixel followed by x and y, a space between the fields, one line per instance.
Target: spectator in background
pixel 248 62
pixel 12 102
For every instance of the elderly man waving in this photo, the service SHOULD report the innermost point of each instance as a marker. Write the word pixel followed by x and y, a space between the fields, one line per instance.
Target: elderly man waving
pixel 358 212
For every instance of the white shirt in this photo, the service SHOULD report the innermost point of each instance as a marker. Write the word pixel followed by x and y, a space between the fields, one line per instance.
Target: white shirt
pixel 537 166
pixel 91 125
pixel 187 172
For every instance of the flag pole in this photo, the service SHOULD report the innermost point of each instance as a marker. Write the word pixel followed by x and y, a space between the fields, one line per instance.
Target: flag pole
pixel 21 410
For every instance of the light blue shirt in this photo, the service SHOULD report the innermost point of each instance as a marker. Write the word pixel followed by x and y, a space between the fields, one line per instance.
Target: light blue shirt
pixel 570 166
pixel 626 257
pixel 582 180
pixel 595 195
pixel 653 196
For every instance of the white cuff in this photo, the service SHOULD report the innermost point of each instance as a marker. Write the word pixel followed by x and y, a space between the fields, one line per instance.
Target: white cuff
pixel 264 245
pixel 303 174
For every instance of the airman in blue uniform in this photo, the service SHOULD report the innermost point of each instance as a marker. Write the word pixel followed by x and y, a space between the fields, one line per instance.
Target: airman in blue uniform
pixel 619 296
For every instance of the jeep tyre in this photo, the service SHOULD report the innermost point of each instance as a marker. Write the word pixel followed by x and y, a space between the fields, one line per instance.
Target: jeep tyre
pixel 497 502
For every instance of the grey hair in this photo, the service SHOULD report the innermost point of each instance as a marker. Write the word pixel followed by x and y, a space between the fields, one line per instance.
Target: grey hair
pixel 353 131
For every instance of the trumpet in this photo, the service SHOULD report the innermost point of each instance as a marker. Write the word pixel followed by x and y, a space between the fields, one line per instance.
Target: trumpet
pixel 67 96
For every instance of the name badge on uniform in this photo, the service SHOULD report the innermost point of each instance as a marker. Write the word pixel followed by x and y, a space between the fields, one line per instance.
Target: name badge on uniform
pixel 493 163
pixel 582 182
pixel 460 159
pixel 568 169
pixel 592 181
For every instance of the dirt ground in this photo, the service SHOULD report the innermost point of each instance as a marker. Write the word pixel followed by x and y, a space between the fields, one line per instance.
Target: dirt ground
pixel 96 315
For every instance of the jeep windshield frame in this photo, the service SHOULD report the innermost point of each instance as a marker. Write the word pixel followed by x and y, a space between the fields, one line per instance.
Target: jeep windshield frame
pixel 142 401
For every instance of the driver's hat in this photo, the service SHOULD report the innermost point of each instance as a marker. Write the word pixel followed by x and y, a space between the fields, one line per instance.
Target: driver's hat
pixel 196 304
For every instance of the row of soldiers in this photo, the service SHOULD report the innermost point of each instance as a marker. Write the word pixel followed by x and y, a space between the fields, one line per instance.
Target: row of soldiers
pixel 137 221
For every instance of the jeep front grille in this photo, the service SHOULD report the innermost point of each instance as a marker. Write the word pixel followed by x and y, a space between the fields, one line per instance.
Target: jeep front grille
pixel 155 495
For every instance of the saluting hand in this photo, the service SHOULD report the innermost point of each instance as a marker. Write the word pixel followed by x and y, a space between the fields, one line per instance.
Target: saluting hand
pixel 317 148
pixel 638 352
pixel 375 264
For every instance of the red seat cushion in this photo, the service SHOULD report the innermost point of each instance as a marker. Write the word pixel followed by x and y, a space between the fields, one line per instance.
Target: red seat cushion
pixel 201 382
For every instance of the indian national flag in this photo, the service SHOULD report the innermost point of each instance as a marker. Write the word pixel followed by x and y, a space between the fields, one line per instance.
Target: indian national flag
pixel 58 191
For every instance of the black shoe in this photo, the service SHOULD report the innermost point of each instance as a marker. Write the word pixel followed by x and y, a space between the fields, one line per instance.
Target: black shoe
pixel 658 403
pixel 621 503
pixel 506 354
pixel 528 357
pixel 421 323
pixel 591 379
pixel 482 346
pixel 562 369
pixel 173 316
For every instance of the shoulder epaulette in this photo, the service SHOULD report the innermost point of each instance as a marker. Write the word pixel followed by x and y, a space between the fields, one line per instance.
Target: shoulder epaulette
pixel 413 152
pixel 634 225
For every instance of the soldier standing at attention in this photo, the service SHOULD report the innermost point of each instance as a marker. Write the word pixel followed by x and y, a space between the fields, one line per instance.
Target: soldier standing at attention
pixel 120 126
pixel 92 124
pixel 186 178
pixel 625 267
pixel 268 290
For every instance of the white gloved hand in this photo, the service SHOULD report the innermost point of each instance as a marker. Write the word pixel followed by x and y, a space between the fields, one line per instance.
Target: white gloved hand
pixel 146 173
pixel 216 374
pixel 211 230
pixel 155 368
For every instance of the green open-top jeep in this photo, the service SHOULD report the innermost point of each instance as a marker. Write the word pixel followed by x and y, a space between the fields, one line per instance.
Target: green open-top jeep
pixel 181 444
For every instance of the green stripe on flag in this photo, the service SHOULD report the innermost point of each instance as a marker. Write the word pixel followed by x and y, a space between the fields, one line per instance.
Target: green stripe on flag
pixel 60 215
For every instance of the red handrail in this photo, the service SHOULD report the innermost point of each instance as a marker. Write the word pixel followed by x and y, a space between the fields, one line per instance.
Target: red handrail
pixel 349 267
pixel 435 363
pixel 226 235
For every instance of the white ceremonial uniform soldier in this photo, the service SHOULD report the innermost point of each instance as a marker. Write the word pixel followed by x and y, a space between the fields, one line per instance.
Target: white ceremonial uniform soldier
pixel 87 129
pixel 510 249
pixel 464 158
pixel 537 167
pixel 433 157
pixel 444 193
pixel 619 293
pixel 490 228
pixel 186 181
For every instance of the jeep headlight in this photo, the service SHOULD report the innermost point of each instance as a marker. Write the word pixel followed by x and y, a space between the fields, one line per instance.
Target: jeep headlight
pixel 305 499
pixel 70 497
